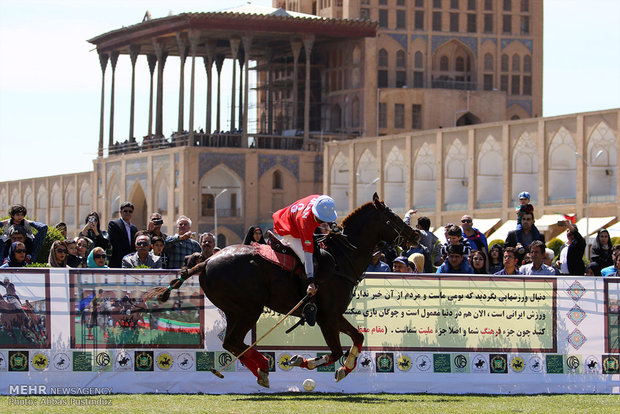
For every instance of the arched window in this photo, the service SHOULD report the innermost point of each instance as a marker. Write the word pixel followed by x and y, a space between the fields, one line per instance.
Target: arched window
pixel 444 63
pixel 527 64
pixel 418 60
pixel 355 113
pixel 383 57
pixel 460 64
pixel 504 63
pixel 488 62
pixel 400 59
pixel 276 180
pixel 516 63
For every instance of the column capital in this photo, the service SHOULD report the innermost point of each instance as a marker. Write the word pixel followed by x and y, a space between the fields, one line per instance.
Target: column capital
pixel 219 61
pixel 103 60
pixel 247 44
pixel 234 46
pixel 134 51
pixel 113 59
pixel 152 61
pixel 182 45
pixel 194 39
pixel 308 41
pixel 160 50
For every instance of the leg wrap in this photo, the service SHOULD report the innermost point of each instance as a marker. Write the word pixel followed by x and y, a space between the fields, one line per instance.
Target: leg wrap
pixel 259 359
pixel 250 364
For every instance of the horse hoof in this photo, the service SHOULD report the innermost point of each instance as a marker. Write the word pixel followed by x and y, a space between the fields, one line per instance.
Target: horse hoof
pixel 340 374
pixel 296 361
pixel 263 378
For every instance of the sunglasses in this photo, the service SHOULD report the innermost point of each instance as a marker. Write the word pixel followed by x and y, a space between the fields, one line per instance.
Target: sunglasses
pixel 127 211
pixel 20 251
pixel 142 244
pixel 64 251
pixel 478 259
pixel 99 256
pixel 465 221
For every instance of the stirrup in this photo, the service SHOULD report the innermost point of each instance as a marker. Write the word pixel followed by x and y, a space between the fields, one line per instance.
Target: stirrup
pixel 276 244
pixel 309 313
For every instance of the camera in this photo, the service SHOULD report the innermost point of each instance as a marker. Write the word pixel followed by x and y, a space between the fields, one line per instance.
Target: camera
pixel 91 219
pixel 157 222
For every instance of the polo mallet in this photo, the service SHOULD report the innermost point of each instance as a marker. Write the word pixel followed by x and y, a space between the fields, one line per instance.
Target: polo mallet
pixel 219 374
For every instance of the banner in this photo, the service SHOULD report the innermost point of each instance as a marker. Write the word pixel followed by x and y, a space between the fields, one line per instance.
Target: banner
pixel 83 331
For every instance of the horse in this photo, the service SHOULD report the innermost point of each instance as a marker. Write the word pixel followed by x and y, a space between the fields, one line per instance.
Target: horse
pixel 16 320
pixel 241 284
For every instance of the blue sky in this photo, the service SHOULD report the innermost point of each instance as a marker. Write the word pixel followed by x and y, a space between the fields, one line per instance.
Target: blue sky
pixel 50 80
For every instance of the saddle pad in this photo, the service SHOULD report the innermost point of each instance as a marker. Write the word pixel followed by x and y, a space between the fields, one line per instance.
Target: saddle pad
pixel 285 261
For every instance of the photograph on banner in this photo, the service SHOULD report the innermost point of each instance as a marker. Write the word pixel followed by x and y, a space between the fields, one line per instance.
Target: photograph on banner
pixel 108 310
pixel 612 315
pixel 25 309
pixel 456 313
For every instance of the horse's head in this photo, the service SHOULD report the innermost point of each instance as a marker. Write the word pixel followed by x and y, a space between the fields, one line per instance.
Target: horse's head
pixel 393 229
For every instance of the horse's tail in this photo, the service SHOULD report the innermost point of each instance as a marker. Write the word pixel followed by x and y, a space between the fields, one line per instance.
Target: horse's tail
pixel 163 293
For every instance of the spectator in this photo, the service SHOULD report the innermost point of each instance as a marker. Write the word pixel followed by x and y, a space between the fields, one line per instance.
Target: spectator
pixel 476 239
pixel 416 262
pixel 143 255
pixel 537 253
pixel 523 207
pixel 510 263
pixel 548 260
pixel 154 226
pixel 17 256
pixel 478 261
pixel 427 238
pixel 609 270
pixel 82 246
pixel 207 243
pixel 62 228
pixel 526 235
pixel 254 234
pixel 617 266
pixel 93 231
pixel 58 254
pixel 400 265
pixel 496 256
pixel 23 227
pixel 571 255
pixel 416 247
pixel 72 258
pixel 96 258
pixel 602 249
pixel 454 237
pixel 181 244
pixel 159 247
pixel 122 235
pixel 593 269
pixel 456 262
pixel 376 264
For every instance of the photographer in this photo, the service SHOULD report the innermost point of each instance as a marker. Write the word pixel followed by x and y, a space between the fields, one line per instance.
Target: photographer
pixel 154 226
pixel 93 231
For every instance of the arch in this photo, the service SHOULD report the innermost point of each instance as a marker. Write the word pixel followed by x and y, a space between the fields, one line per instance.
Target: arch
pixel 562 172
pixel 83 202
pixel 525 167
pixel 401 59
pixel 339 185
pixel 383 57
pixel 418 60
pixel 459 73
pixel 602 156
pixel 54 208
pixel 28 201
pixel 516 63
pixel 4 202
pixel 114 198
pixel 161 193
pixel 527 64
pixel 488 62
pixel 489 176
pixel 229 204
pixel 456 182
pixel 276 180
pixel 15 198
pixel 467 119
pixel 336 118
pixel 459 65
pixel 394 184
pixel 41 211
pixel 140 210
pixel 444 64
pixel 366 173
pixel 69 210
pixel 424 184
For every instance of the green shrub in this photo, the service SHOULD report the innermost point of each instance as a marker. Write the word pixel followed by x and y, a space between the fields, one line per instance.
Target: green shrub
pixel 615 240
pixel 555 245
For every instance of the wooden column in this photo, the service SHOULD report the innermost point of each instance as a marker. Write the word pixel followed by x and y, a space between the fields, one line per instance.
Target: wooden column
pixel 308 42
pixel 113 60
pixel 103 62
pixel 134 50
pixel 183 50
pixel 247 43
pixel 152 61
pixel 161 54
pixel 234 50
pixel 194 38
pixel 241 59
pixel 219 61
pixel 209 58
pixel 296 47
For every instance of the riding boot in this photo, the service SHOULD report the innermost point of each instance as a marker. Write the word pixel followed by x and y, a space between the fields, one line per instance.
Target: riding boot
pixel 277 245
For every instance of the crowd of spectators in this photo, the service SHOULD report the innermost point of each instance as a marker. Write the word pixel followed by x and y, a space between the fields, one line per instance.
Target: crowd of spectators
pixel 466 250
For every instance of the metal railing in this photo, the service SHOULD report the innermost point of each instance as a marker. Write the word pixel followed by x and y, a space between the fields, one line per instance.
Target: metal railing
pixel 452 84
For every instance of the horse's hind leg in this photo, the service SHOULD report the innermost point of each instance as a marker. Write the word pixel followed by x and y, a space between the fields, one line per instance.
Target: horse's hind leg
pixel 330 332
pixel 357 338
pixel 236 329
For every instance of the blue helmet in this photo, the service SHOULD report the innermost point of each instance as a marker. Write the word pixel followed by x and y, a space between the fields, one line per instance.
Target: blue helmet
pixel 524 194
pixel 325 209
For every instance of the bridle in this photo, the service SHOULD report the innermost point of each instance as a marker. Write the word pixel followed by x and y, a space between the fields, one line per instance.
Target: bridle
pixel 399 227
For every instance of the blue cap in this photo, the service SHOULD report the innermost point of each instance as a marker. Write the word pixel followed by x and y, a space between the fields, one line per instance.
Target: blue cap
pixel 524 194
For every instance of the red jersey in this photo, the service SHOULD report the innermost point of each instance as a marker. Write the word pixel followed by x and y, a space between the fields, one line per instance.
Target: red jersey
pixel 298 221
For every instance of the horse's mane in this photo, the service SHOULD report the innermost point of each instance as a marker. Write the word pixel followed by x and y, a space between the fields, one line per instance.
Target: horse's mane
pixel 357 212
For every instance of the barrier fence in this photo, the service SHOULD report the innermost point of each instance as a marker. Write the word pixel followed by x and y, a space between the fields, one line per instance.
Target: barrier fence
pixel 82 331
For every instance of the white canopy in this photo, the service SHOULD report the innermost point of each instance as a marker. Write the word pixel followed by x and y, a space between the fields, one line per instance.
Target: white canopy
pixel 484 225
pixel 594 224
pixel 548 220
pixel 502 232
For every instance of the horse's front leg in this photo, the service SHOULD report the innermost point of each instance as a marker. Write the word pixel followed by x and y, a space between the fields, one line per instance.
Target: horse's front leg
pixel 330 332
pixel 351 362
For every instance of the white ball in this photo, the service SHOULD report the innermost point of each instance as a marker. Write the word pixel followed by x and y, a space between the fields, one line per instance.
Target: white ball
pixel 309 384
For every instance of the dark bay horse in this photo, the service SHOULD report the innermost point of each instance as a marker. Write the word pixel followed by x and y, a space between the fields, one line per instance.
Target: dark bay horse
pixel 241 284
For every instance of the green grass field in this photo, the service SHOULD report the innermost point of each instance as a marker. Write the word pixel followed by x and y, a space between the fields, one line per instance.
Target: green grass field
pixel 300 403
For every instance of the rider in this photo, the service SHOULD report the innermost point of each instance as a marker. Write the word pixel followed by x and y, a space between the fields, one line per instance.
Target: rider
pixel 11 296
pixel 296 225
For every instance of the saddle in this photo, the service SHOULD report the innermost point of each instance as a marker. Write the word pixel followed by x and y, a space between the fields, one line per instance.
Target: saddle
pixel 281 256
